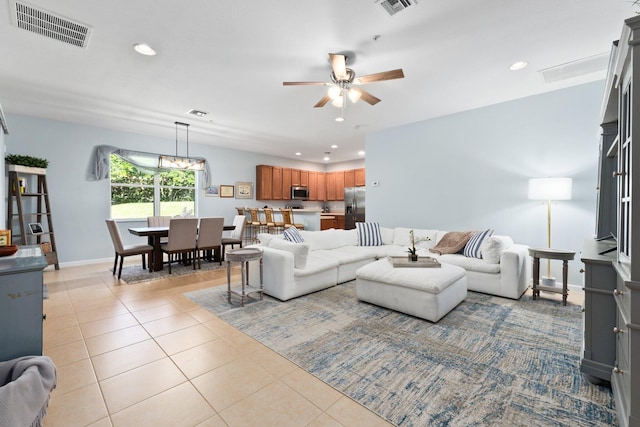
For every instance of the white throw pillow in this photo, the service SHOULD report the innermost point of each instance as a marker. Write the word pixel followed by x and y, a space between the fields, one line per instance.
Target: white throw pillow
pixel 300 251
pixel 387 235
pixel 265 238
pixel 493 248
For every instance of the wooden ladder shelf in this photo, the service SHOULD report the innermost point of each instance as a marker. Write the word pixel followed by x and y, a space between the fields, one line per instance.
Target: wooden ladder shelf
pixel 26 207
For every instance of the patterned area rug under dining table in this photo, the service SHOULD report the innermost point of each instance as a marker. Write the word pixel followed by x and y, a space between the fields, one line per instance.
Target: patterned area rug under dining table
pixel 491 361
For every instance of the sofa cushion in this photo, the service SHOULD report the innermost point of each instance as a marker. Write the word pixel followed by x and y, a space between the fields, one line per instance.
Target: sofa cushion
pixel 300 251
pixel 472 248
pixel 387 235
pixel 369 234
pixel 329 239
pixel 470 264
pixel 350 254
pixel 494 247
pixel 293 235
pixel 402 238
pixel 265 238
pixel 316 264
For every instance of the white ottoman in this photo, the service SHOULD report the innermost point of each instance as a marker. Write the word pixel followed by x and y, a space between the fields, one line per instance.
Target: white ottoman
pixel 428 293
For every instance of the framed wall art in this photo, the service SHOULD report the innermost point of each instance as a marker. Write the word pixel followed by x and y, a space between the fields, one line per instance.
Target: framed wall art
pixel 213 191
pixel 227 191
pixel 244 190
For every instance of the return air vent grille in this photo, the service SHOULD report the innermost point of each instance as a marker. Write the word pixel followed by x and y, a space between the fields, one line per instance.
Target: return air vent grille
pixel 49 24
pixel 579 68
pixel 394 6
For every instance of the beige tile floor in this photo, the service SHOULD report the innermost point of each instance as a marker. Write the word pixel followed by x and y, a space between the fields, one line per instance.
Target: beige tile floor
pixel 145 355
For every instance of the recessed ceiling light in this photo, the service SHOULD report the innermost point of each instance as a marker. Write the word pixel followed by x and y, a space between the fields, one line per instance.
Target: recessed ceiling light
pixel 360 153
pixel 298 154
pixel 144 49
pixel 518 65
pixel 334 146
pixel 339 119
pixel 326 158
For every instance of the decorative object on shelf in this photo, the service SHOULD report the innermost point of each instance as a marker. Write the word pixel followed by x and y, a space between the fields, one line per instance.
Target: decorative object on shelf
pixel 5 237
pixel 176 162
pixel 227 191
pixel 212 191
pixel 413 256
pixel 549 189
pixel 244 190
pixel 8 250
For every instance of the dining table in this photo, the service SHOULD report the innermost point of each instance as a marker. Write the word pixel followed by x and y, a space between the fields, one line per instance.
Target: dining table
pixel 153 235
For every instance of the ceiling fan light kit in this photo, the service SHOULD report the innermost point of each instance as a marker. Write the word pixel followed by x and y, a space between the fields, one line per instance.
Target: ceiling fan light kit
pixel 343 84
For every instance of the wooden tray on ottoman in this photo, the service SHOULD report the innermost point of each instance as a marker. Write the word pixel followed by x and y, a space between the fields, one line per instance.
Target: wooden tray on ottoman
pixel 422 262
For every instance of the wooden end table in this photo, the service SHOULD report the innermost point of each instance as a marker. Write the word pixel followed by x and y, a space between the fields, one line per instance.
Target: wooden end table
pixel 560 254
pixel 243 256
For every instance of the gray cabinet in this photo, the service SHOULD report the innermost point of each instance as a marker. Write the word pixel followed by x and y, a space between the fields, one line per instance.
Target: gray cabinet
pixel 599 349
pixel 21 303
pixel 622 106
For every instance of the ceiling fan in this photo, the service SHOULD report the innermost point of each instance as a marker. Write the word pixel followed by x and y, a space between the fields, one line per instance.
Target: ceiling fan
pixel 344 83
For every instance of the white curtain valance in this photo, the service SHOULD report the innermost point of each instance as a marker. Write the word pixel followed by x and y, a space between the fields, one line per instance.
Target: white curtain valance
pixel 146 162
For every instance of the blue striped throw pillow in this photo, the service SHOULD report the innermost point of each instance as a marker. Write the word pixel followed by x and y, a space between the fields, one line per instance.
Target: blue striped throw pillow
pixel 369 234
pixel 293 235
pixel 472 248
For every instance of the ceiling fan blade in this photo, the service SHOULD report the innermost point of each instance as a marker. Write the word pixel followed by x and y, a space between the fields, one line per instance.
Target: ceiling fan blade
pixel 379 77
pixel 339 66
pixel 322 102
pixel 304 84
pixel 366 96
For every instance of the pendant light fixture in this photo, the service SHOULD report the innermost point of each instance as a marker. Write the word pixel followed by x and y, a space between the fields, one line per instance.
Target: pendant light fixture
pixel 176 162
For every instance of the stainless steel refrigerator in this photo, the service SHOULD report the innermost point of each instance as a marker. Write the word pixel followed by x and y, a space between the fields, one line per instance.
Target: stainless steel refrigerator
pixel 354 206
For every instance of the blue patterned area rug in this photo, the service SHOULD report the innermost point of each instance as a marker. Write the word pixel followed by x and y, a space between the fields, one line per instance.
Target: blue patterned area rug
pixel 491 361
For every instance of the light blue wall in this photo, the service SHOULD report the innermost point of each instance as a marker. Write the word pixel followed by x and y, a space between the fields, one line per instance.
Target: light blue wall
pixel 80 205
pixel 470 170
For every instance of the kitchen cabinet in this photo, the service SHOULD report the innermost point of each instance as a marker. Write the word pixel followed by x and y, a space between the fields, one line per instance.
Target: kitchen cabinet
pixel 327 222
pixel 276 184
pixel 340 185
pixel 295 177
pixel 286 183
pixel 21 309
pixel 350 178
pixel 313 185
pixel 264 182
pixel 360 179
pixel 340 222
pixel 304 178
pixel 322 186
pixel 331 186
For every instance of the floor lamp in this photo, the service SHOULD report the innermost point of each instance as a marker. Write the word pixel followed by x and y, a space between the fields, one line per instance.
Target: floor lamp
pixel 549 189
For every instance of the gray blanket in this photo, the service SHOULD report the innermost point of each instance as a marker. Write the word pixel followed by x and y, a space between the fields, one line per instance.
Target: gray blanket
pixel 25 384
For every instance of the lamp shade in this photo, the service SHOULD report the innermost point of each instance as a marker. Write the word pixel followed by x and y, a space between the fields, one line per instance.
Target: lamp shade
pixel 550 188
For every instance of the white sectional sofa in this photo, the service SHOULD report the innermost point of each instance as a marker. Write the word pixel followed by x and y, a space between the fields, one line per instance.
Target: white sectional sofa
pixel 327 258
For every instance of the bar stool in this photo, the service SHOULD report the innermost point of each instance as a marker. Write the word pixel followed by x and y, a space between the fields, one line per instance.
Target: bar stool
pixel 259 225
pixel 287 218
pixel 273 227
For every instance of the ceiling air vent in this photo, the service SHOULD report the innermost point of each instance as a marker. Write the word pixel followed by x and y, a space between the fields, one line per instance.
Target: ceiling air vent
pixel 579 68
pixel 49 24
pixel 394 6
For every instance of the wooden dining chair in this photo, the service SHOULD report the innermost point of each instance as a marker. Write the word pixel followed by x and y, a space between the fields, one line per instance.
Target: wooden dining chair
pixel 183 233
pixel 128 250
pixel 210 237
pixel 235 237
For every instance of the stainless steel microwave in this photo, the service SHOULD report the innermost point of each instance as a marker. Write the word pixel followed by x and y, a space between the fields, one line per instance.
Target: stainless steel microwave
pixel 299 193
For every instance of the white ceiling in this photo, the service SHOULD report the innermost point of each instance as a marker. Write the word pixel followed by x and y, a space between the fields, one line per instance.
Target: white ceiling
pixel 229 58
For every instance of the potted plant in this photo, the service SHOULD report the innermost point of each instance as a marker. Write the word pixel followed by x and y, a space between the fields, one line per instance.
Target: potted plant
pixel 413 256
pixel 26 164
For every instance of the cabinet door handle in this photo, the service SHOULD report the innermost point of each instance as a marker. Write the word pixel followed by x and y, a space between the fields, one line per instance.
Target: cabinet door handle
pixel 616 173
pixel 617 330
pixel 582 270
pixel 617 292
pixel 617 370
